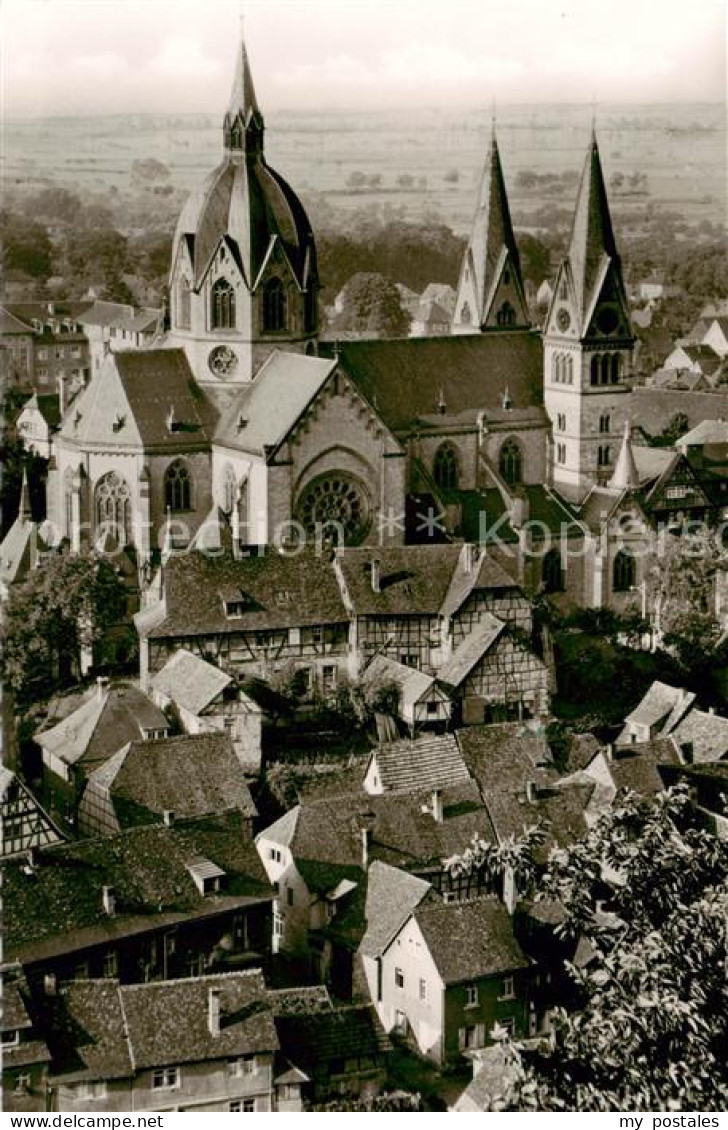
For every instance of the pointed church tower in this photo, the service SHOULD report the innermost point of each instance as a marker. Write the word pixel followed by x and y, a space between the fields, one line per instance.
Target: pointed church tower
pixel 588 343
pixel 625 476
pixel 243 280
pixel 490 291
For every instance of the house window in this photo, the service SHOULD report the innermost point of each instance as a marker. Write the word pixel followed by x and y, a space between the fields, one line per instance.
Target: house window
pixel 400 1021
pixel 328 679
pixel 177 487
pixel 561 422
pixel 275 854
pixel 410 659
pixel 111 964
pixel 274 306
pixel 446 467
pixel 90 1090
pixel 471 996
pixel 509 1023
pixel 604 456
pixel 594 370
pixel 277 923
pixel 42 354
pixel 624 572
pixel 242 1065
pixel 399 978
pixel 506 316
pixel 223 306
pixel 433 708
pixel 242 1106
pixel 10 1038
pixel 80 973
pixel 468 1037
pixel 508 989
pixel 604 424
pixel 560 452
pixel 165 1078
pixel 423 989
pixel 22 1084
pixel 510 461
pixel 289 896
pixel 287 1092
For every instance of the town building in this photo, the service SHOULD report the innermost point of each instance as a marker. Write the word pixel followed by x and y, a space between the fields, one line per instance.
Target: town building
pixel 159 901
pixel 25 1053
pixel 24 825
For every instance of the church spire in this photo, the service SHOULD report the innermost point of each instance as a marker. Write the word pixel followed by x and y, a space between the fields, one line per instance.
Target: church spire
pixel 625 476
pixel 592 244
pixel 490 292
pixel 24 511
pixel 243 125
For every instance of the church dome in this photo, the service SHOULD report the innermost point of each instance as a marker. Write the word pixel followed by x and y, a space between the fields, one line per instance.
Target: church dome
pixel 245 201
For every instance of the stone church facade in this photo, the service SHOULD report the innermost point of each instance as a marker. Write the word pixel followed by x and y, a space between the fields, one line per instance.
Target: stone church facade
pixel 242 415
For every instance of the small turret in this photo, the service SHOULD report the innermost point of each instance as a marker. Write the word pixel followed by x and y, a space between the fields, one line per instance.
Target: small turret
pixel 625 476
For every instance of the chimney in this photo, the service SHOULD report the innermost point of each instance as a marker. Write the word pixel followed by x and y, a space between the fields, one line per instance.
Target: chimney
pixel 213 1011
pixel 168 817
pixel 437 808
pixel 31 858
pixel 470 552
pixel 376 574
pixel 108 897
pixel 687 752
pixel 510 894
pixel 366 822
pixel 531 792
pixel 49 984
pixel 102 686
pixel 711 710
pixel 609 751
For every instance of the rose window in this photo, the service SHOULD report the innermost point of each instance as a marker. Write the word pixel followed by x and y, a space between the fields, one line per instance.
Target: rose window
pixel 332 500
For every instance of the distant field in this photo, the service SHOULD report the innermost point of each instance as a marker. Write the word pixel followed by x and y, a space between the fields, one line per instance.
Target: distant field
pixel 680 148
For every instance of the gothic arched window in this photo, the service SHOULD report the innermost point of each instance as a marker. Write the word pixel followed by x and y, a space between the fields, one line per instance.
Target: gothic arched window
pixel 223 305
pixel 606 369
pixel 229 489
pixel 274 305
pixel 604 456
pixel 594 371
pixel 624 571
pixel 183 304
pixel 310 309
pixel 446 467
pixel 506 316
pixel 615 368
pixel 510 462
pixel 569 370
pixel 112 505
pixel 177 487
pixel 552 574
pixel 605 423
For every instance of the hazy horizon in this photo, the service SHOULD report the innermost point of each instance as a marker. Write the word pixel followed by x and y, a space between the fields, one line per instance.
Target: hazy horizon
pixel 102 58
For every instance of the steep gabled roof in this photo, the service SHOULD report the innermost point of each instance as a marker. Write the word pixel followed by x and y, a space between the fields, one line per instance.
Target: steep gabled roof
pixel 592 246
pixel 392 895
pixel 470 940
pixel 704 734
pixel 471 650
pixel 316 1040
pixel 412 683
pixel 108 718
pixel 506 755
pixel 266 410
pixel 431 762
pixel 190 681
pixel 405 380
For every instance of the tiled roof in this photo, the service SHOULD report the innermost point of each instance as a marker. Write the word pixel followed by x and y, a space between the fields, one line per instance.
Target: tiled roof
pixel 272 404
pixel 328 831
pixel 102 313
pixel 404 379
pixel 302 999
pixel 470 940
pixel 658 703
pixel 413 579
pixel 413 684
pixel 430 762
pixel 506 755
pixel 655 408
pixel 191 775
pixel 498 1069
pixel 167 1021
pixel 19 550
pixel 706 734
pixel 10 324
pixel 706 432
pixel 279 591
pixel 102 724
pixel 313 1041
pixel 635 767
pixel 391 896
pixel 57 907
pixel 475 570
pixel 86 1031
pixel 471 650
pixel 190 682
pixel 559 808
pixel 143 397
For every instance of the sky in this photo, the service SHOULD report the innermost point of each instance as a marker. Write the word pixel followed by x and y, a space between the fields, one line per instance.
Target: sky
pixel 70 57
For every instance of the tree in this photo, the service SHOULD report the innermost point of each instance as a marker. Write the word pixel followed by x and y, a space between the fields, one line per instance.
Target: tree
pixel 63 608
pixel 651 1025
pixel 26 246
pixel 373 305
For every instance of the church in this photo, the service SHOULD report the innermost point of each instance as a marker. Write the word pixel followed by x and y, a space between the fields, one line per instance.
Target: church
pixel 241 415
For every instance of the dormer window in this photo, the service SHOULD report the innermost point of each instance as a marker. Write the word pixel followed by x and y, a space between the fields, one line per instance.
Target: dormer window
pixel 234 602
pixel 207 876
pixel 119 421
pixel 151 735
pixel 10 1038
